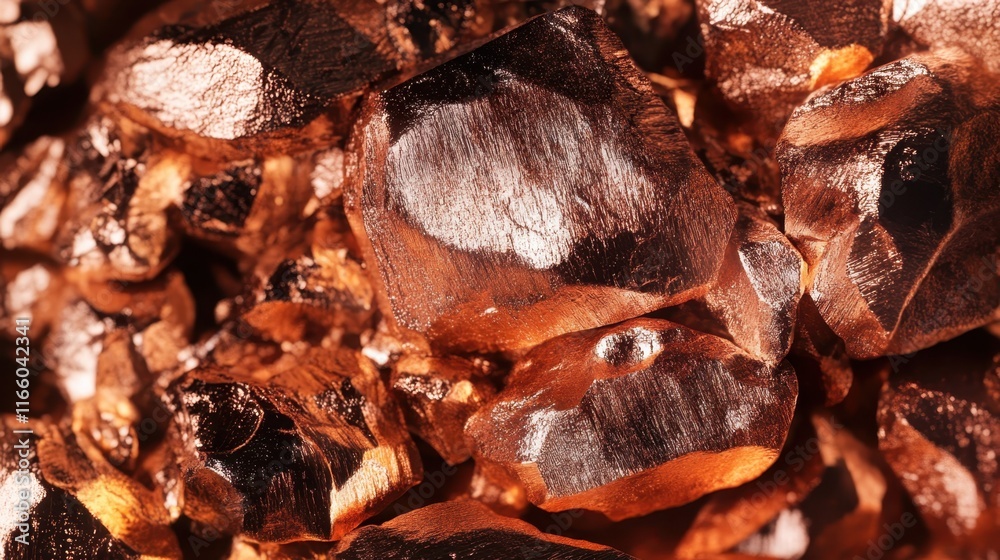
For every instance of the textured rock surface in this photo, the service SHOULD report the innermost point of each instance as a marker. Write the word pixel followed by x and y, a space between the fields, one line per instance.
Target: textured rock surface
pixel 889 184
pixel 939 430
pixel 967 24
pixel 464 530
pixel 438 395
pixel 305 452
pixel 755 299
pixel 808 44
pixel 78 505
pixel 269 76
pixel 498 229
pixel 635 417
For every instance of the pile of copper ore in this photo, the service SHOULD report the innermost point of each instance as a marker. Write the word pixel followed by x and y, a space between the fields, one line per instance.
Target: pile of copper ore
pixel 489 279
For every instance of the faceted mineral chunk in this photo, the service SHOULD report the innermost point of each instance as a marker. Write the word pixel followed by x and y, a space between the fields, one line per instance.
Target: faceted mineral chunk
pixel 32 194
pixel 755 298
pixel 635 417
pixel 152 319
pixel 765 56
pixel 889 185
pixel 939 430
pixel 270 75
pixel 966 24
pixel 820 357
pixel 465 530
pixel 496 228
pixel 119 189
pixel 39 48
pixel 438 395
pixel 305 452
pixel 29 289
pixel 77 505
pixel 307 296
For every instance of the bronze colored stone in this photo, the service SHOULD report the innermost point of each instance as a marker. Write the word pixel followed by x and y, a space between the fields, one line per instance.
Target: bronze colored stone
pixel 304 452
pixel 820 357
pixel 32 191
pixel 464 529
pixel 808 44
pixel 29 289
pixel 438 395
pixel 78 505
pixel 605 419
pixel 270 76
pixel 493 228
pixel 498 490
pixel 755 299
pixel 889 184
pixel 966 24
pixel 939 430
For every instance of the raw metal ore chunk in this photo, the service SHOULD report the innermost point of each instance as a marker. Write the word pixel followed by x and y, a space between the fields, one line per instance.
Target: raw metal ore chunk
pixel 438 395
pixel 464 530
pixel 79 506
pixel 756 296
pixel 939 430
pixel 967 24
pixel 765 56
pixel 890 190
pixel 268 75
pixel 31 194
pixel 492 226
pixel 634 418
pixel 304 453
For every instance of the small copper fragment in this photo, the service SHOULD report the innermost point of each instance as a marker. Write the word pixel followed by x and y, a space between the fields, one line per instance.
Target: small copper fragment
pixel 496 229
pixel 755 299
pixel 889 184
pixel 766 56
pixel 438 395
pixel 79 506
pixel 305 452
pixel 606 419
pixel 464 529
pixel 939 430
pixel 32 191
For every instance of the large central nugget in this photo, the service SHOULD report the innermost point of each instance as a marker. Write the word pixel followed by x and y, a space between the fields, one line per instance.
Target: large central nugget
pixel 532 187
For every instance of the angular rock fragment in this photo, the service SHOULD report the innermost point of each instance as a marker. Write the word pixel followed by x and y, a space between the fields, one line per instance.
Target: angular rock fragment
pixel 39 48
pixel 633 418
pixel 32 192
pixel 303 452
pixel 820 357
pixel 29 289
pixel 495 228
pixel 269 76
pixel 467 530
pixel 307 296
pixel 966 24
pixel 939 430
pixel 76 504
pixel 755 299
pixel 808 45
pixel 889 185
pixel 438 395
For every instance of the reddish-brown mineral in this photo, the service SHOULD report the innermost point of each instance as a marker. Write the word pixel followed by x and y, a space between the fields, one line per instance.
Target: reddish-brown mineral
pixel 809 44
pixel 468 530
pixel 635 417
pixel 497 229
pixel 75 503
pixel 438 395
pixel 889 184
pixel 970 25
pixel 285 454
pixel 939 430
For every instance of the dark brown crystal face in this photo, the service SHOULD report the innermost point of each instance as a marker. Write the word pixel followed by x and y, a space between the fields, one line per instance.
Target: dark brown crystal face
pixel 491 279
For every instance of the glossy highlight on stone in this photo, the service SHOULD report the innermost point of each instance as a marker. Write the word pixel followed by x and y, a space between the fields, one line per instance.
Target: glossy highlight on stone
pixel 497 229
pixel 634 417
